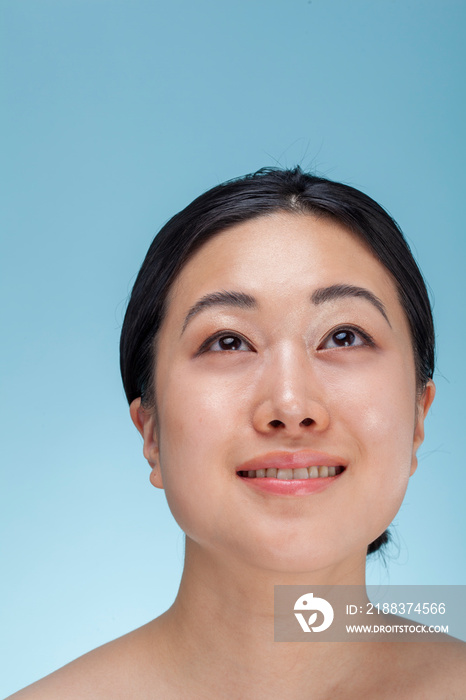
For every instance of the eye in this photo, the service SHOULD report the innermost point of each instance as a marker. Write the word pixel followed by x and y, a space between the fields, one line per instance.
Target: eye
pixel 347 338
pixel 225 341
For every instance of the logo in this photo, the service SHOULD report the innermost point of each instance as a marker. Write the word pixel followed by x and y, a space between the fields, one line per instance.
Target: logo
pixel 308 603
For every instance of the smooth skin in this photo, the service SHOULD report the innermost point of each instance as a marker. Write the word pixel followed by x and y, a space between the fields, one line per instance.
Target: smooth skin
pixel 234 382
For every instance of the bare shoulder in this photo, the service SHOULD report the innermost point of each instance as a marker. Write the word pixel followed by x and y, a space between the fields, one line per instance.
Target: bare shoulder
pixel 407 670
pixel 431 670
pixel 113 671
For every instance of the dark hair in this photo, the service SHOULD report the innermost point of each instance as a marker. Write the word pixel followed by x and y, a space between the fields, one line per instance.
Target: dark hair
pixel 261 193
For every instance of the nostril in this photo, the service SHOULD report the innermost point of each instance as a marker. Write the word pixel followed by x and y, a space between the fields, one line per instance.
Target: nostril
pixel 306 422
pixel 276 423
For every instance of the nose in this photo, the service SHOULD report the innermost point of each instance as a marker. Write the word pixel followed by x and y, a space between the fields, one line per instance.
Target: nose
pixel 289 400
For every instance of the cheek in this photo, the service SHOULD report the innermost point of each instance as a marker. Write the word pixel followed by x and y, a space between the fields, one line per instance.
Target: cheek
pixel 198 430
pixel 195 413
pixel 378 403
pixel 379 413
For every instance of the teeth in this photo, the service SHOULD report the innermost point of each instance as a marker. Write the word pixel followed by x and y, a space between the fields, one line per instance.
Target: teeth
pixel 288 474
pixel 285 474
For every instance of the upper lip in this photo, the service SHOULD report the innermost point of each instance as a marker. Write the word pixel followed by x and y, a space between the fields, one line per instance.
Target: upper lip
pixel 292 460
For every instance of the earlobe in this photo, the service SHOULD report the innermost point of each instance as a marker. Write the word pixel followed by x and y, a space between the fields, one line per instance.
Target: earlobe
pixel 423 406
pixel 156 477
pixel 144 420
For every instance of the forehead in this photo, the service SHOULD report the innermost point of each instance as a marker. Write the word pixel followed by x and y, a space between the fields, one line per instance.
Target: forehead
pixel 281 255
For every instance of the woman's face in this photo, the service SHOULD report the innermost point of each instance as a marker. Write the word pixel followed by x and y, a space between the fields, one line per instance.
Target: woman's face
pixel 284 343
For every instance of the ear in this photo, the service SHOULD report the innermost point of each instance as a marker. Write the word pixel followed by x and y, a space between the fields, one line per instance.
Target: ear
pixel 144 420
pixel 423 404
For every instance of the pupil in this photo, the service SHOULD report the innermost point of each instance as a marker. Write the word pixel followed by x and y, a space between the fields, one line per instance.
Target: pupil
pixel 229 343
pixel 343 338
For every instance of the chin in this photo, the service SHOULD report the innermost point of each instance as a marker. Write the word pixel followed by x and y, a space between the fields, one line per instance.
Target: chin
pixel 306 558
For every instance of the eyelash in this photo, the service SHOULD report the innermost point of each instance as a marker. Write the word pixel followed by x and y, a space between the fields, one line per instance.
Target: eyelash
pixel 207 344
pixel 368 341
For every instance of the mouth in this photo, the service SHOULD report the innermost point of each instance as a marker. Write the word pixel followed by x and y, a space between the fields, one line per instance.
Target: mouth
pixel 299 473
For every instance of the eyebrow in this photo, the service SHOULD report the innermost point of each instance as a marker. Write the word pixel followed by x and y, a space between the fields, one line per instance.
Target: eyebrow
pixel 236 299
pixel 246 301
pixel 340 291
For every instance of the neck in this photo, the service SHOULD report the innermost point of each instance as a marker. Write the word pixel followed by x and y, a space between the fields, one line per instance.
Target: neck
pixel 223 620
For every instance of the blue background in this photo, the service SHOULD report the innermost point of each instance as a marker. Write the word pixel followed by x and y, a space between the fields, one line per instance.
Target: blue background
pixel 115 114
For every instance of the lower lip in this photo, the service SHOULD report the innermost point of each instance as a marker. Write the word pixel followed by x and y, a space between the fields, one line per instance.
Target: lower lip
pixel 290 487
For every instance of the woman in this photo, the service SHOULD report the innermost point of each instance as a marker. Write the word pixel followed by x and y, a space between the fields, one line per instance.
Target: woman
pixel 277 354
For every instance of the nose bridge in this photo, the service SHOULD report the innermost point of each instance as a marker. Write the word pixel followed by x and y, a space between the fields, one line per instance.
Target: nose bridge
pixel 290 372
